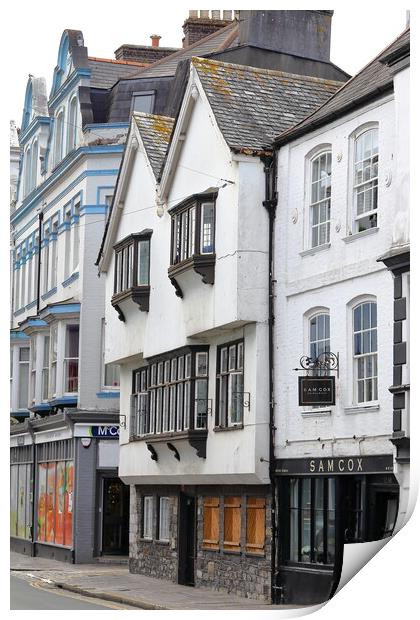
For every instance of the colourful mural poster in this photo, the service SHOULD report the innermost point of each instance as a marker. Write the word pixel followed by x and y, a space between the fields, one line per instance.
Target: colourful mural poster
pixel 13 499
pixel 28 521
pixel 68 505
pixel 60 487
pixel 42 500
pixel 21 522
pixel 50 515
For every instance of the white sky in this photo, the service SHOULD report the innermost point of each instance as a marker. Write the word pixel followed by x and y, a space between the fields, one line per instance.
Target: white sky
pixel 359 32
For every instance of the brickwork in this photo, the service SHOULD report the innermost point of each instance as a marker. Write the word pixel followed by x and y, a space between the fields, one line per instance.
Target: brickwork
pixel 143 53
pixel 196 28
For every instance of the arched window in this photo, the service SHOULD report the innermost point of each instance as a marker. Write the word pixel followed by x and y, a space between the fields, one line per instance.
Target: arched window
pixel 72 125
pixel 365 352
pixel 319 334
pixel 27 170
pixel 58 149
pixel 320 199
pixel 365 184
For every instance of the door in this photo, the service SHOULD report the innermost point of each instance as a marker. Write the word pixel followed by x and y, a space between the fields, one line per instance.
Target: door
pixel 115 517
pixel 187 538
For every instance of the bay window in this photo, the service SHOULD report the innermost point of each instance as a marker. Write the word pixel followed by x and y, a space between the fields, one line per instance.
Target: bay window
pixel 230 384
pixel 171 394
pixel 320 199
pixel 53 359
pixel 45 367
pixel 189 239
pixel 365 180
pixel 33 370
pixel 365 352
pixel 132 270
pixel 23 377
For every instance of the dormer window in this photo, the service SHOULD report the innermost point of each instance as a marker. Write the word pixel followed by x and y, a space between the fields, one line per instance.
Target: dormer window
pixel 58 147
pixel 143 102
pixel 193 237
pixel 132 271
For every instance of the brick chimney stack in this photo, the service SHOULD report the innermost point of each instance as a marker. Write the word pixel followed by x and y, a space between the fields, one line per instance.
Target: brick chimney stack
pixel 202 23
pixel 155 40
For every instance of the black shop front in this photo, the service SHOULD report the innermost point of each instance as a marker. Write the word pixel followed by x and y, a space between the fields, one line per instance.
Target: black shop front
pixel 323 504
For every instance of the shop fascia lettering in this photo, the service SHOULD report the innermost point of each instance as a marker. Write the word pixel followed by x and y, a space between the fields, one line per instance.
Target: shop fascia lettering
pixel 333 466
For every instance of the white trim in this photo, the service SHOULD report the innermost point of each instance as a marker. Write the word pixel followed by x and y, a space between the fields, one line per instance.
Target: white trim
pixel 359 235
pixel 362 408
pixel 316 249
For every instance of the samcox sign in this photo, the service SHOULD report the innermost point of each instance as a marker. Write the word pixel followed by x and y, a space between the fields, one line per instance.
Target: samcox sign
pixel 105 432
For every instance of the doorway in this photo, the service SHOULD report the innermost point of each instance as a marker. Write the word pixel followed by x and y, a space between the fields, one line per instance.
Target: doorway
pixel 115 512
pixel 187 538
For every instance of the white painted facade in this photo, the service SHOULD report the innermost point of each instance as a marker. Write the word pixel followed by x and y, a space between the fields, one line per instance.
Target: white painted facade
pixel 68 180
pixel 336 277
pixel 232 308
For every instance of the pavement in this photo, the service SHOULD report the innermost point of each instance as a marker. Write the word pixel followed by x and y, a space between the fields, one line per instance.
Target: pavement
pixel 113 582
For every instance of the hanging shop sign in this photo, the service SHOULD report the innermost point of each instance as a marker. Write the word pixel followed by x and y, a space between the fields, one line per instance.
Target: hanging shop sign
pixel 372 464
pixel 316 391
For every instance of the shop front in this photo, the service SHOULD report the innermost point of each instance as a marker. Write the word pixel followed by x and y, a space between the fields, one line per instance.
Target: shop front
pixel 324 504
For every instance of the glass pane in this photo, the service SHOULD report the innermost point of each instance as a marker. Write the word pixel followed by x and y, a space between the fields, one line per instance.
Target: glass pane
pixel 201 362
pixel 305 524
pixel 223 360
pixel 72 341
pixel 144 259
pixel 237 397
pixel 201 403
pixel 143 103
pixel 207 228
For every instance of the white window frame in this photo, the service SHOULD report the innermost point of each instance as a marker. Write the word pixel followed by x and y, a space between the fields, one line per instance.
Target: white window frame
pixel 33 373
pixel 72 124
pixel 318 340
pixel 67 240
pixel 27 363
pixel 67 359
pixel 355 218
pixel 58 137
pixel 104 385
pixel 319 202
pixel 164 530
pixel 364 356
pixel 147 517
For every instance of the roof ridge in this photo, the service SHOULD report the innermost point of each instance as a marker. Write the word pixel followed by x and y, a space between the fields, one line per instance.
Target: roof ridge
pixel 308 78
pixel 119 62
pixel 184 49
pixel 148 115
pixel 345 85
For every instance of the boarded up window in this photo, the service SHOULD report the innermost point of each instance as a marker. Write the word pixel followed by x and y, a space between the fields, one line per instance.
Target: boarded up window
pixel 232 519
pixel 255 524
pixel 210 523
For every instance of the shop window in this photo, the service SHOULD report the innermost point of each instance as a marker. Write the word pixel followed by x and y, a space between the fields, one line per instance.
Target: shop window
pixel 211 523
pixel 232 524
pixel 164 518
pixel 312 520
pixel 230 384
pixel 255 525
pixel 147 520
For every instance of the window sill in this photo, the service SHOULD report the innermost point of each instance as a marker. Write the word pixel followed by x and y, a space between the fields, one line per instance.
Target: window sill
pixel 220 429
pixel 359 235
pixel 108 394
pixel 146 540
pixel 231 552
pixel 252 554
pixel 203 264
pixel 362 408
pixel 315 250
pixel 162 543
pixel 316 413
pixel 138 294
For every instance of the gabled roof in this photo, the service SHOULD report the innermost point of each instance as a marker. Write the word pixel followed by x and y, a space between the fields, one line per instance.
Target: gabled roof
pixel 105 72
pixel 251 104
pixel 372 81
pixel 155 133
pixel 212 43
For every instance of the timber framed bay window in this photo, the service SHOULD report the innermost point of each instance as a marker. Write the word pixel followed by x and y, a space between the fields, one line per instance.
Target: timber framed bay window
pixel 320 199
pixel 312 520
pixel 132 271
pixel 193 237
pixel 170 394
pixel 365 352
pixel 230 395
pixel 71 359
pixel 365 179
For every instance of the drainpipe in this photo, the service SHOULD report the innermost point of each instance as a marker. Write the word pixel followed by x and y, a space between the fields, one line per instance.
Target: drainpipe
pixel 270 204
pixel 38 284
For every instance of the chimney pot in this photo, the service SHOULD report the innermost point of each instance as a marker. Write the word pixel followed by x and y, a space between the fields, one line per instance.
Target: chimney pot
pixel 155 40
pixel 192 13
pixel 227 14
pixel 204 14
pixel 215 14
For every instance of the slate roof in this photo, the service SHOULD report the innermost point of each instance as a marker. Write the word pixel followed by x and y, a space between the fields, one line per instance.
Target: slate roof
pixel 155 132
pixel 251 105
pixel 104 72
pixel 373 80
pixel 212 43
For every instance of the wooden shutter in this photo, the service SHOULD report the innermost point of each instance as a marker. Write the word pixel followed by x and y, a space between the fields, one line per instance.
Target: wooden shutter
pixel 232 524
pixel 211 523
pixel 255 525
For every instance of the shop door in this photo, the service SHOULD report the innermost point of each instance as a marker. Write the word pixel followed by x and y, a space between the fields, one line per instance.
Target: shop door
pixel 187 536
pixel 115 517
pixel 383 512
